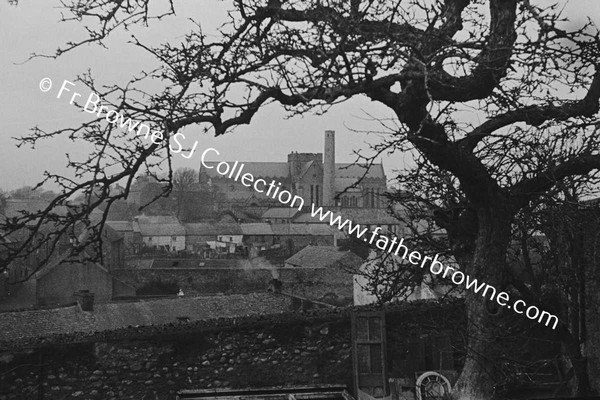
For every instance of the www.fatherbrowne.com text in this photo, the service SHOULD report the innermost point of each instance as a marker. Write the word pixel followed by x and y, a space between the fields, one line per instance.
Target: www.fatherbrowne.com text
pixel 391 245
pixel 398 248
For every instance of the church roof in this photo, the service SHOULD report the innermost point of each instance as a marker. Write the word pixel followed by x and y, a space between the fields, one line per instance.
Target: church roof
pixel 282 170
pixel 358 170
pixel 258 169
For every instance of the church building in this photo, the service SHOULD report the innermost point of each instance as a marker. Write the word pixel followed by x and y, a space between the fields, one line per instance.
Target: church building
pixel 315 177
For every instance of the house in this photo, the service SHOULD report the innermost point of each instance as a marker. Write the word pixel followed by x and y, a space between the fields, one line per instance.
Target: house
pixel 322 273
pixel 258 236
pixel 56 283
pixel 168 236
pixel 130 231
pixel 197 235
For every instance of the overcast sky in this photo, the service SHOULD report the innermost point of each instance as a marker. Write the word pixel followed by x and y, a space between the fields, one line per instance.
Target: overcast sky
pixel 33 27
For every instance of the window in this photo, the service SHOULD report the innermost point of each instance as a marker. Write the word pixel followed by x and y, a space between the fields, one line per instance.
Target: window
pixel 174 238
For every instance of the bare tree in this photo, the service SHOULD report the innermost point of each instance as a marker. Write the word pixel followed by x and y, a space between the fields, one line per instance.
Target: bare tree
pixel 184 180
pixel 539 268
pixel 533 81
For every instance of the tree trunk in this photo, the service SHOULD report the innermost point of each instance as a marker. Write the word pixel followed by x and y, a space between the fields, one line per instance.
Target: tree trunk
pixel 478 377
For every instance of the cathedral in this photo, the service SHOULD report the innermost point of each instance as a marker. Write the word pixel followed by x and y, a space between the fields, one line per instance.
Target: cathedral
pixel 315 177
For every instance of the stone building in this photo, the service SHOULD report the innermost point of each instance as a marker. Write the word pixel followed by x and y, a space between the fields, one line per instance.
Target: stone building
pixel 315 177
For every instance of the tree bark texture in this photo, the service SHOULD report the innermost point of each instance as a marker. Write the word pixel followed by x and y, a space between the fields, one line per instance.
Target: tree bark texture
pixel 478 378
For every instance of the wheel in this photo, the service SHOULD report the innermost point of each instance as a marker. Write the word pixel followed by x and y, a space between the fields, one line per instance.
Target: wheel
pixel 432 386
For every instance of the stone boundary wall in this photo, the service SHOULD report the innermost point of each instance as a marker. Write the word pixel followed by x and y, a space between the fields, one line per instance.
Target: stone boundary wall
pixel 201 281
pixel 155 362
pixel 313 283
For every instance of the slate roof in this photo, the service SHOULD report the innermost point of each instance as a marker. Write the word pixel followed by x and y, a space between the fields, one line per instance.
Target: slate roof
pixel 280 212
pixel 156 219
pixel 112 316
pixel 282 169
pixel 363 216
pixel 162 229
pixel 306 218
pixel 356 171
pixel 212 229
pixel 256 228
pixel 110 234
pixel 121 226
pixel 257 169
pixel 302 229
pixel 323 257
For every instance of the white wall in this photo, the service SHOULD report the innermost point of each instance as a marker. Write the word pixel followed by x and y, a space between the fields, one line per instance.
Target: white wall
pixel 177 244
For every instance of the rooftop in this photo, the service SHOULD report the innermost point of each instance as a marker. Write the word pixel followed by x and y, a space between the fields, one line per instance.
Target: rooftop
pixel 280 212
pixel 363 216
pixel 212 229
pixel 161 229
pixel 302 229
pixel 323 257
pixel 257 169
pixel 256 228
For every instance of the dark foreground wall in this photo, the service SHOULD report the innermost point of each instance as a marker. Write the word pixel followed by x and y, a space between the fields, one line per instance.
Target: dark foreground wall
pixel 155 362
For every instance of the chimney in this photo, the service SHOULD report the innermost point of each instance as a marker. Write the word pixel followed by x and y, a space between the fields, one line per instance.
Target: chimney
pixel 329 170
pixel 85 300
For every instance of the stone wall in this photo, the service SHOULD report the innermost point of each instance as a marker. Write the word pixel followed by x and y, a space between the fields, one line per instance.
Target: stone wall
pixel 312 283
pixel 202 280
pixel 332 285
pixel 156 362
